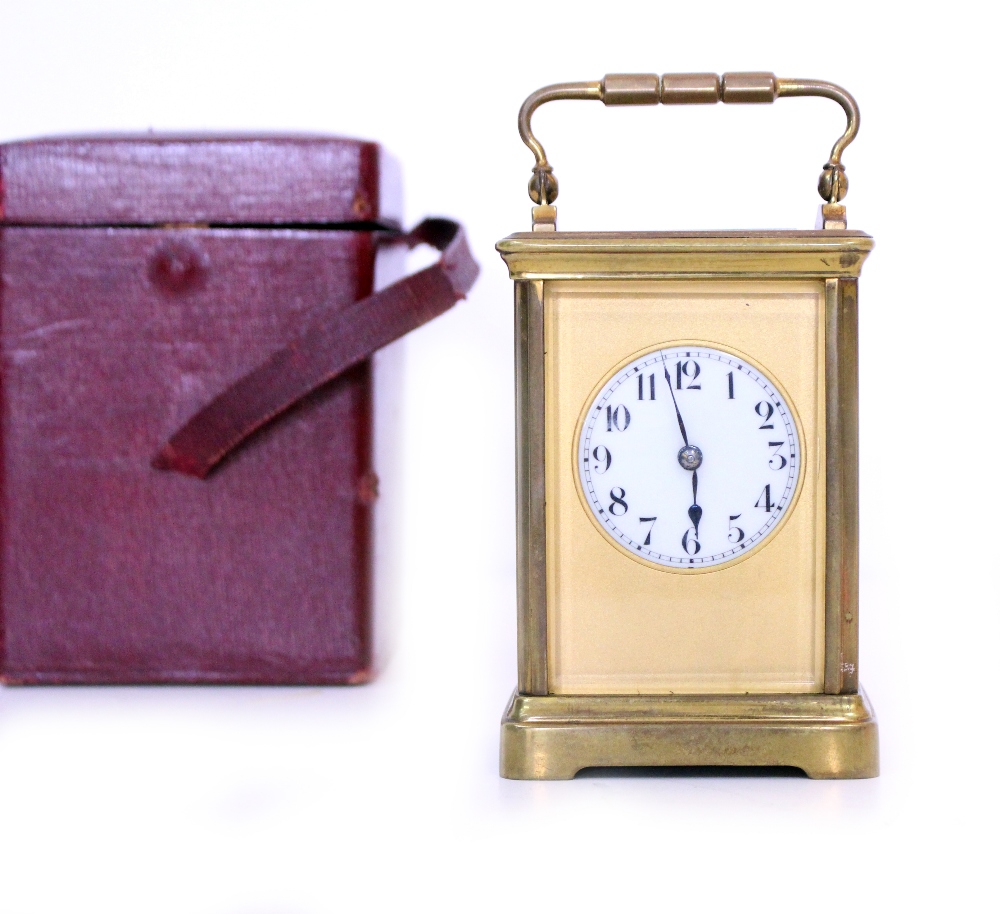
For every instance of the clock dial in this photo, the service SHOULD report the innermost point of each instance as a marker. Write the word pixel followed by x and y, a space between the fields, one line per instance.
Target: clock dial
pixel 689 457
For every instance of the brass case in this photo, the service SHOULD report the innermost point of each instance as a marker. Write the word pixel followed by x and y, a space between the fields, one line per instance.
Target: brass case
pixel 828 733
pixel 552 737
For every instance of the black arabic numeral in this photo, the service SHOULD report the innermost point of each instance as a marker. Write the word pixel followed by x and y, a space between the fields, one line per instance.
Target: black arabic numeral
pixel 689 542
pixel 731 396
pixel 652 386
pixel 618 418
pixel 690 369
pixel 763 415
pixel 765 497
pixel 619 501
pixel 777 445
pixel 737 530
pixel 652 522
pixel 599 458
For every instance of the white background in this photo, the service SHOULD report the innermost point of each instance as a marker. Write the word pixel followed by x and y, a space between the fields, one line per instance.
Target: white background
pixel 386 798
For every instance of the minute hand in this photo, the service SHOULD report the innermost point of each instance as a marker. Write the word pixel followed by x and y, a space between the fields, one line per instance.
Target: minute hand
pixel 680 421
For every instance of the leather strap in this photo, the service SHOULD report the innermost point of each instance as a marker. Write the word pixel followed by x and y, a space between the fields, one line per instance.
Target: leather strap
pixel 329 346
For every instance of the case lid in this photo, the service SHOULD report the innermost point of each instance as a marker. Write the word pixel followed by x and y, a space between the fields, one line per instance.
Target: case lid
pixel 150 179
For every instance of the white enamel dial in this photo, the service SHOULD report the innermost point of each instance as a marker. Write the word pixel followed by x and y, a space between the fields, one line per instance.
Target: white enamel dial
pixel 689 457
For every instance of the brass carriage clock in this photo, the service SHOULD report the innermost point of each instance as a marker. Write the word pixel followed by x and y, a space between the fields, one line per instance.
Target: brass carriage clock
pixel 687 480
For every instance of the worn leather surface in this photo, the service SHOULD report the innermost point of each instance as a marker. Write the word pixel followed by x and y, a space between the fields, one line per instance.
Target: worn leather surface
pixel 111 571
pixel 114 572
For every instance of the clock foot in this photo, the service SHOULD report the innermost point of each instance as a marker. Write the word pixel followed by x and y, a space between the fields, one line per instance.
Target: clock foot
pixel 552 737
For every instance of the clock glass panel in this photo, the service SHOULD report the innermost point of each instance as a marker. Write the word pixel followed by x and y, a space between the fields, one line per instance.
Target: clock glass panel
pixel 689 457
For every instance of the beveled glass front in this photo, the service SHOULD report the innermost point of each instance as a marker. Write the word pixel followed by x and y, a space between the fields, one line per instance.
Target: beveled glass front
pixel 621 626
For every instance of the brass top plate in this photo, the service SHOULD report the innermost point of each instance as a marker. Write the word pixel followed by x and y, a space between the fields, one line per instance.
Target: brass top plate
pixel 619 255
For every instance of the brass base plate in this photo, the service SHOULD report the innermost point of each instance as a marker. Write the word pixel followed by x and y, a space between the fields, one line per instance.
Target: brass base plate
pixel 552 737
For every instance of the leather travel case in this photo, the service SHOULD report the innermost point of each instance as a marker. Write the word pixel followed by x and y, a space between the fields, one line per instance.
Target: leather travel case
pixel 201 305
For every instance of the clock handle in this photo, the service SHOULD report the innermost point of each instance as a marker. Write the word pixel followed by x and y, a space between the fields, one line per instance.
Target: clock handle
pixel 688 89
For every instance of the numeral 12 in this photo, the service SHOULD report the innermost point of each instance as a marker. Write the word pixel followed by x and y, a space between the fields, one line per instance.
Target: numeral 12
pixel 689 369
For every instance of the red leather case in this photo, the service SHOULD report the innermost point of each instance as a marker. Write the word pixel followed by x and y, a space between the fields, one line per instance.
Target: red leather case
pixel 139 277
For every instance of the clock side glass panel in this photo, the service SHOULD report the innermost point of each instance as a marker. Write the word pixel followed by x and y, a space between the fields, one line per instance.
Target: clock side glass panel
pixel 689 457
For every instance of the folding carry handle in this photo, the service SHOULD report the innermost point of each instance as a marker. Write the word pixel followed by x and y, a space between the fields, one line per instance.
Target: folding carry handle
pixel 687 89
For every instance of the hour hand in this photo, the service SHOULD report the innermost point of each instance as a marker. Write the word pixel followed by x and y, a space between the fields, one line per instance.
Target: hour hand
pixel 690 457
pixel 694 512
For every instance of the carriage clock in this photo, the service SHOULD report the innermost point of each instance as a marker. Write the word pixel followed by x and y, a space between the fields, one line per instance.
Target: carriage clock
pixel 687 479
